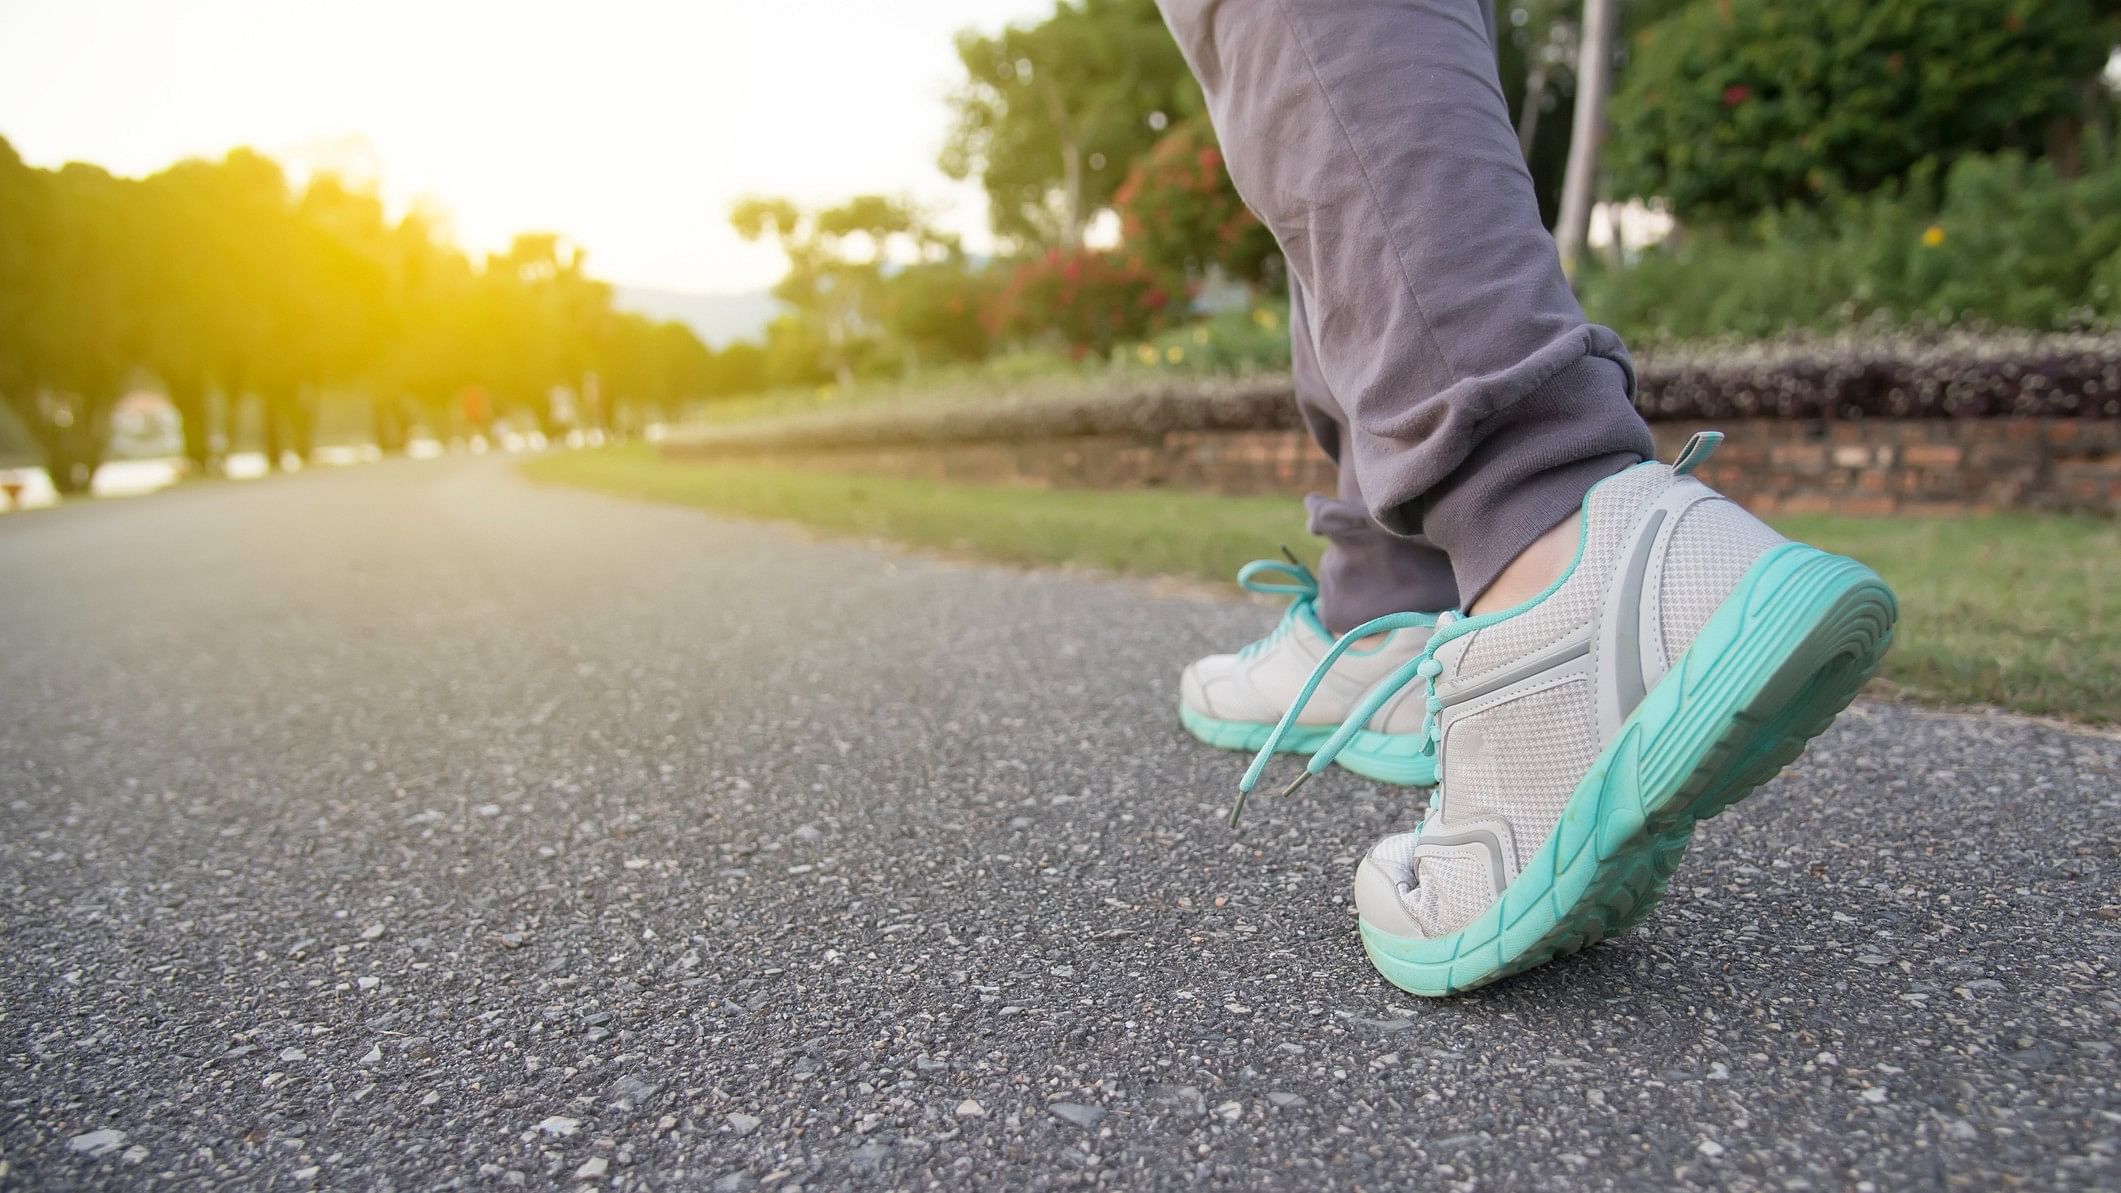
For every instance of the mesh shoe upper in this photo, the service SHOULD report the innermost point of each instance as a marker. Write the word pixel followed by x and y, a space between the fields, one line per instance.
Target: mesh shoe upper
pixel 1525 703
pixel 1260 682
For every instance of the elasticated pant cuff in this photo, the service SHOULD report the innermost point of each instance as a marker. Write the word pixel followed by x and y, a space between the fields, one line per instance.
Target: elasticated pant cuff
pixel 1532 468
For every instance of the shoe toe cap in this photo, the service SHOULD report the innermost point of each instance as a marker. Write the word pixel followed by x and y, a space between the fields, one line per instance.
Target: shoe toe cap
pixel 1218 687
pixel 1193 684
pixel 1379 896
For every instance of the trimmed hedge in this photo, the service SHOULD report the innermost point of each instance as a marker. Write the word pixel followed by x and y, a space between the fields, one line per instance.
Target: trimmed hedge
pixel 1953 376
pixel 1946 376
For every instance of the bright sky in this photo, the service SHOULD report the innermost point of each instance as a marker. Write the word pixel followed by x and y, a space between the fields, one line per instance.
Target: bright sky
pixel 628 125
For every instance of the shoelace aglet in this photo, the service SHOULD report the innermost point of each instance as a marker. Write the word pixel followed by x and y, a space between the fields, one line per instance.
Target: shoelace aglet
pixel 1237 808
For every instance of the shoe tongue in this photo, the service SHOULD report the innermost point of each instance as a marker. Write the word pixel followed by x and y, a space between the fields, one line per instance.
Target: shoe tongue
pixel 1305 609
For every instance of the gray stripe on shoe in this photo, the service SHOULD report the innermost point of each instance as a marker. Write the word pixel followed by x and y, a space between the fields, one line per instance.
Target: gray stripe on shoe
pixel 1532 666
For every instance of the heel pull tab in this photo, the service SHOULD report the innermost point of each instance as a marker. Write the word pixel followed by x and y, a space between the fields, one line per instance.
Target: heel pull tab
pixel 1696 452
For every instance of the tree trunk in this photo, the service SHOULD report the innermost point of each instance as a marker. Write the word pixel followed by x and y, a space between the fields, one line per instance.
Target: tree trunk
pixel 1535 90
pixel 72 434
pixel 393 426
pixel 1071 152
pixel 2064 144
pixel 1071 194
pixel 188 395
pixel 302 422
pixel 275 402
pixel 1594 78
pixel 231 422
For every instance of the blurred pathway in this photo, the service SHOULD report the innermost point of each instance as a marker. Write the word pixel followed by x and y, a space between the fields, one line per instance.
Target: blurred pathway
pixel 408 824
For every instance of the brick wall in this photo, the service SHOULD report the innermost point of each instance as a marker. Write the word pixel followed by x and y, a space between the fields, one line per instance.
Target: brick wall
pixel 1864 466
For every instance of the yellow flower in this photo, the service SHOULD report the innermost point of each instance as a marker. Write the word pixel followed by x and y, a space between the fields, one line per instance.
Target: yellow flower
pixel 1174 354
pixel 1146 353
pixel 1266 318
pixel 1933 235
pixel 1200 335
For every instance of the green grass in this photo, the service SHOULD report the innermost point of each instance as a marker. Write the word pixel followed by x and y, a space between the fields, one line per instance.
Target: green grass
pixel 2017 610
pixel 1165 533
pixel 2013 610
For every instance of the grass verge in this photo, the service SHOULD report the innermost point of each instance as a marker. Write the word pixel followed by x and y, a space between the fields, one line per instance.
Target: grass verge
pixel 2013 610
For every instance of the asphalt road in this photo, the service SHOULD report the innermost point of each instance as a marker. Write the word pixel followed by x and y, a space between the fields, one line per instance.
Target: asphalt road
pixel 411 827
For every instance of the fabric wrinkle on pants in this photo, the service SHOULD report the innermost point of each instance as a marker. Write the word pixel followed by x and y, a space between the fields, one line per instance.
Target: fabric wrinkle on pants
pixel 1476 403
pixel 1366 570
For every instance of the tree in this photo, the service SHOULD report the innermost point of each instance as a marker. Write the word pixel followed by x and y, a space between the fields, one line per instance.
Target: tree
pixel 1539 45
pixel 1594 75
pixel 81 333
pixel 647 368
pixel 836 266
pixel 739 368
pixel 25 228
pixel 1052 115
pixel 536 317
pixel 1733 107
pixel 428 359
pixel 1179 212
pixel 932 309
pixel 194 299
pixel 217 277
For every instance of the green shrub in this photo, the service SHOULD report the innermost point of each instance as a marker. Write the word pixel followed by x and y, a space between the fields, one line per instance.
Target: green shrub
pixel 1253 339
pixel 1740 106
pixel 1996 240
pixel 1083 299
pixel 932 309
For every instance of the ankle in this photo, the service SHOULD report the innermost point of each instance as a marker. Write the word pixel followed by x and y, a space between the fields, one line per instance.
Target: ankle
pixel 1535 567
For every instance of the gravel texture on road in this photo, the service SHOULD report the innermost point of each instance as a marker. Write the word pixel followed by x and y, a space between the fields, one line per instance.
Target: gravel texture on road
pixel 411 826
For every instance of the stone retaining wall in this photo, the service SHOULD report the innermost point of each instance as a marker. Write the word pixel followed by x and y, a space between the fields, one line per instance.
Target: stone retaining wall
pixel 1859 466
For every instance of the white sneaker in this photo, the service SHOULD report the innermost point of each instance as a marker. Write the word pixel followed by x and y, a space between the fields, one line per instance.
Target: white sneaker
pixel 1684 659
pixel 1234 700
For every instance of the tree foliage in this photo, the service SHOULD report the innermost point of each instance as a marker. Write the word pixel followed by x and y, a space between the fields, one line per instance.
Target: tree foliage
pixel 857 271
pixel 1179 212
pixel 1051 115
pixel 1729 107
pixel 220 278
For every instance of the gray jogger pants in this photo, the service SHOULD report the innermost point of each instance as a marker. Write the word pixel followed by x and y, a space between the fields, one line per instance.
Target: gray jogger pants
pixel 1456 379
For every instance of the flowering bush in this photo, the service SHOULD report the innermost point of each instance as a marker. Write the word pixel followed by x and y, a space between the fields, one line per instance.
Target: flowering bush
pixel 1741 106
pixel 1996 240
pixel 1178 210
pixel 1086 299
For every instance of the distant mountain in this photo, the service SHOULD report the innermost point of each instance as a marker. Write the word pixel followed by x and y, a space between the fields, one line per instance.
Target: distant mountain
pixel 716 318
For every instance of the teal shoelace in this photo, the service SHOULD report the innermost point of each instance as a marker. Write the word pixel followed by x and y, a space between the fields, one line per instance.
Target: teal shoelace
pixel 1423 666
pixel 1279 577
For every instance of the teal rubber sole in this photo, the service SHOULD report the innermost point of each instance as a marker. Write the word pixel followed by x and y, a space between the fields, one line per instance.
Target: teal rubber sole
pixel 1387 757
pixel 1779 660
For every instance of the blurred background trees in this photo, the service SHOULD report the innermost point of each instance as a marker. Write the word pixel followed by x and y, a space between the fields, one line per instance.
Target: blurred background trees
pixel 1766 165
pixel 1052 114
pixel 240 296
pixel 844 283
pixel 1743 106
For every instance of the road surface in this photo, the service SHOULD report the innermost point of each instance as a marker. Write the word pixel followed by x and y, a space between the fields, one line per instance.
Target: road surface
pixel 411 826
